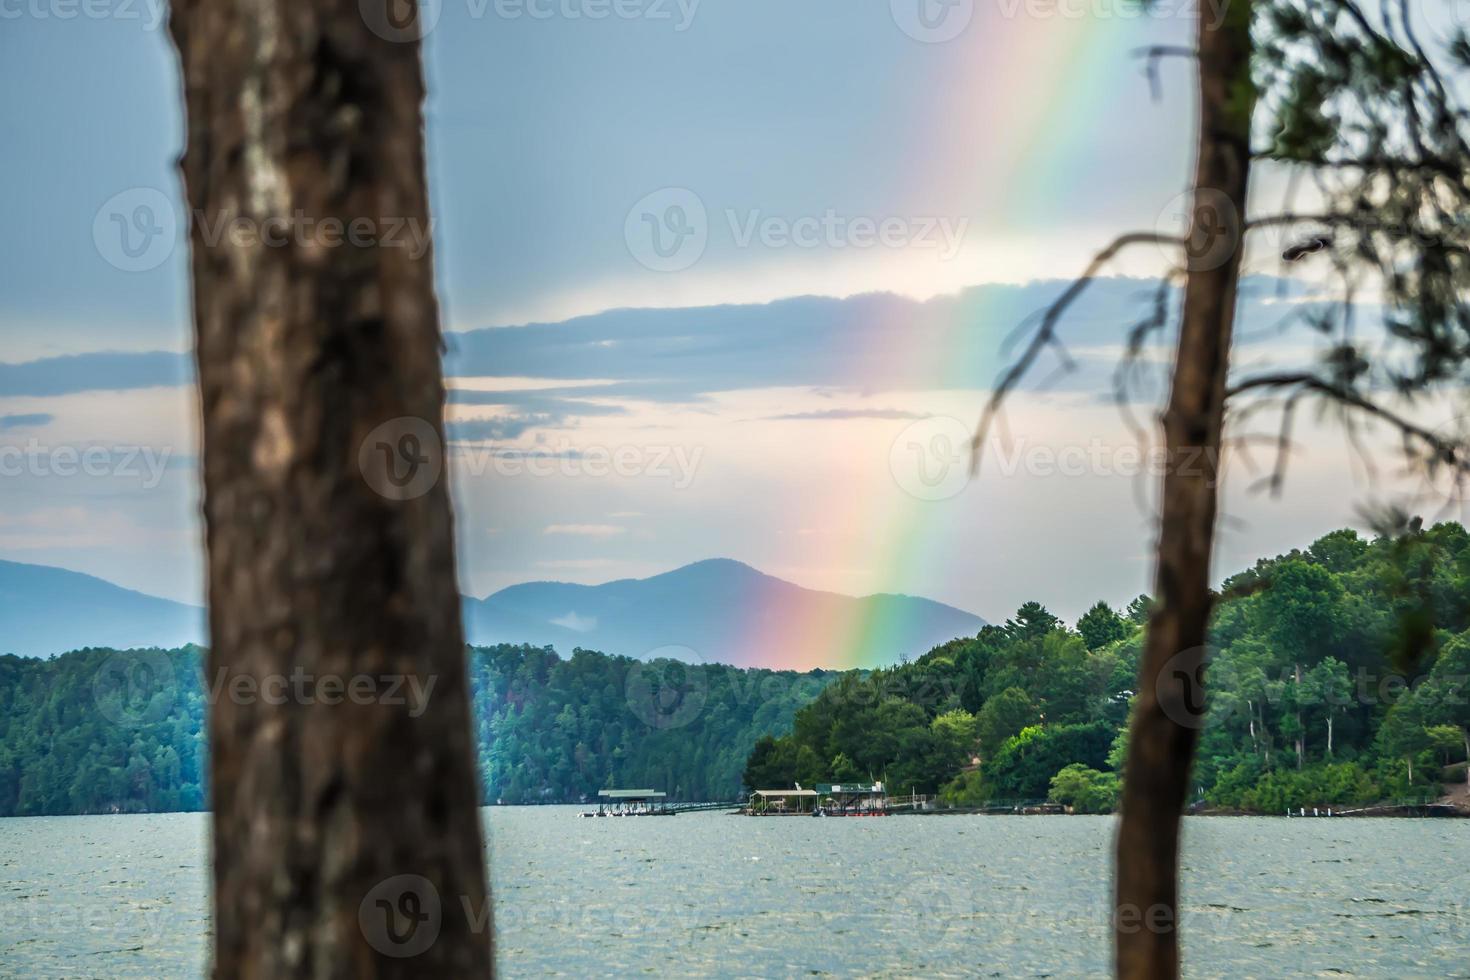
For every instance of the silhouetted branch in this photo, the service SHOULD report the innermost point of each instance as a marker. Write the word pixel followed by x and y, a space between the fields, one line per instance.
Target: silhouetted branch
pixel 1444 451
pixel 1155 53
pixel 1045 335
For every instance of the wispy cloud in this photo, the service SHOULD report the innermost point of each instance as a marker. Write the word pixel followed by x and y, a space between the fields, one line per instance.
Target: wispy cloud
pixel 837 414
pixel 576 621
pixel 101 371
pixel 586 530
pixel 546 402
pixel 508 427
pixel 33 420
pixel 577 564
pixel 684 355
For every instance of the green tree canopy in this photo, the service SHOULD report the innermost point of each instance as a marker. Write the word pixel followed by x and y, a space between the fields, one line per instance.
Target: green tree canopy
pixel 1100 626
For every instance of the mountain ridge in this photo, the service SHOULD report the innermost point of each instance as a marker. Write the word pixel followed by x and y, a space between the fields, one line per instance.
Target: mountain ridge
pixel 46 610
pixel 714 610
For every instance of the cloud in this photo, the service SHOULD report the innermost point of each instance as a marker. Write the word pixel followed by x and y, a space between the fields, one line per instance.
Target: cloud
pixel 870 342
pixel 34 420
pixel 586 530
pixel 509 427
pixel 101 371
pixel 535 409
pixel 476 454
pixel 574 621
pixel 544 401
pixel 604 365
pixel 577 564
pixel 847 413
pixel 73 527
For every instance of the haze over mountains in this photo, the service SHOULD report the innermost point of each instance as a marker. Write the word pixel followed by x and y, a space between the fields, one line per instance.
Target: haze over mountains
pixel 722 610
pixel 45 610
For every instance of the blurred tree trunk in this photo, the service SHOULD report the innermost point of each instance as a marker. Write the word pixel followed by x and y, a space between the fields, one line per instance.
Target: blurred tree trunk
pixel 1301 731
pixel 346 822
pixel 1165 724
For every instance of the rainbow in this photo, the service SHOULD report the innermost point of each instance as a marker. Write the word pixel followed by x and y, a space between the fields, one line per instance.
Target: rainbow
pixel 1031 99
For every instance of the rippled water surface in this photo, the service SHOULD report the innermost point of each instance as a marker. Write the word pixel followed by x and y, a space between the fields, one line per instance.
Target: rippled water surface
pixel 125 896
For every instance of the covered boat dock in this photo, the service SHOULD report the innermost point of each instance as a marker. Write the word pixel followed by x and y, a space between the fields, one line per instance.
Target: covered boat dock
pixel 782 802
pixel 852 799
pixel 630 803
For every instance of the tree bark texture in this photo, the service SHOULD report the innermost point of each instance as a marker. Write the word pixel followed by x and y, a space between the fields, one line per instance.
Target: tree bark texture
pixel 346 828
pixel 1168 711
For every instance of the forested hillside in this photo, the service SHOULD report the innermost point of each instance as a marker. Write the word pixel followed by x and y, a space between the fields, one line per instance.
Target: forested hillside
pixel 95 731
pixel 554 730
pixel 1337 675
pixel 74 741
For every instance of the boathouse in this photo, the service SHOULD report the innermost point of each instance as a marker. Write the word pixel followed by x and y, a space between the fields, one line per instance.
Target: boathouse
pixel 782 802
pixel 630 803
pixel 852 798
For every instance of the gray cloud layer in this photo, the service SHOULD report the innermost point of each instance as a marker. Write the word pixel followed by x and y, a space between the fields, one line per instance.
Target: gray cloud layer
pixel 102 371
pixel 33 420
pixel 872 342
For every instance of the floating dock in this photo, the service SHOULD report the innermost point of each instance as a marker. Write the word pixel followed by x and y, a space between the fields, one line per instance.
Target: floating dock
pixel 630 803
pixel 831 800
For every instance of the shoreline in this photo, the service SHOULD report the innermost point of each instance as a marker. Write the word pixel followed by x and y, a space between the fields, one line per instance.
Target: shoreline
pixel 1438 810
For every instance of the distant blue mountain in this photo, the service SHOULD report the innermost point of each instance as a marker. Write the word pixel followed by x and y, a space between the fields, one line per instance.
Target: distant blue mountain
pixel 45 610
pixel 723 610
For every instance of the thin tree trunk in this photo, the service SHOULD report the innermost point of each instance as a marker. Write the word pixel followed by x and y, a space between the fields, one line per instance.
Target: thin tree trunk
pixel 1301 731
pixel 346 829
pixel 1165 727
pixel 1250 713
pixel 1329 733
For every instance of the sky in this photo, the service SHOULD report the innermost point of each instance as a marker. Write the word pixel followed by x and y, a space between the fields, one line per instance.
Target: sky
pixel 721 278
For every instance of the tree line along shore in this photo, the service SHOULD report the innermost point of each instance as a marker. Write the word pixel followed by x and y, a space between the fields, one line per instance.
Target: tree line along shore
pixel 1338 677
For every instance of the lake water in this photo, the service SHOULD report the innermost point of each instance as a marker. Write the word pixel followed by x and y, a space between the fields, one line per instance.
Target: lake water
pixel 710 894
